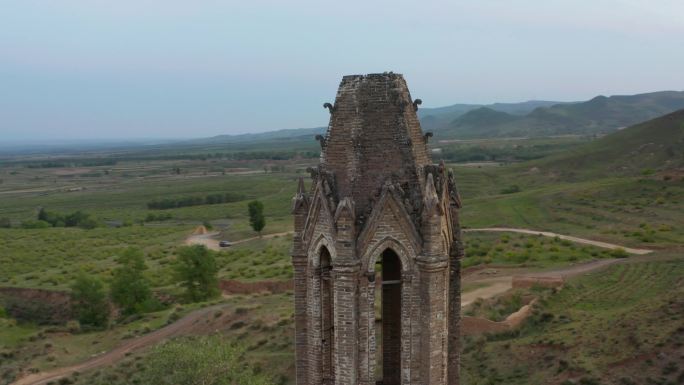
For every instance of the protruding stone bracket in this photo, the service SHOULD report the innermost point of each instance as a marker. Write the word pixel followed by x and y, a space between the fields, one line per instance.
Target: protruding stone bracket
pixel 321 139
pixel 417 103
pixel 454 196
pixel 330 107
pixel 427 136
pixel 313 172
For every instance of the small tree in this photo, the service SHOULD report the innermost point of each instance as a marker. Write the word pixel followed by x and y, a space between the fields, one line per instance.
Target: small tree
pixel 42 214
pixel 90 301
pixel 256 216
pixel 130 288
pixel 196 271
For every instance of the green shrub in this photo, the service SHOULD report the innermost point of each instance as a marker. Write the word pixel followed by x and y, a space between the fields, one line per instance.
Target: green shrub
pixel 511 189
pixel 35 224
pixel 90 301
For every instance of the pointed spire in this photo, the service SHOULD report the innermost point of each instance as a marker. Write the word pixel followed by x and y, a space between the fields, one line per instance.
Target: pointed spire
pixel 357 153
pixel 300 186
pixel 431 200
pixel 301 199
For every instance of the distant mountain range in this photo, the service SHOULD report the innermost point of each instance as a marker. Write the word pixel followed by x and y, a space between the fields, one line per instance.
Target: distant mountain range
pixel 534 118
pixel 600 115
pixel 441 117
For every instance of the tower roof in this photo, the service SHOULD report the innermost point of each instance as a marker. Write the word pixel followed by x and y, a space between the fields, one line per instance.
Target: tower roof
pixel 374 138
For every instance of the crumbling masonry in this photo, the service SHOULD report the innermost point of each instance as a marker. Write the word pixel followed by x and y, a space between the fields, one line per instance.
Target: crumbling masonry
pixel 377 248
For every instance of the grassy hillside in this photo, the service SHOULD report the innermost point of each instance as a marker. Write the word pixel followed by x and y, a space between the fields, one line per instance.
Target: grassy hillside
pixel 599 115
pixel 619 326
pixel 646 148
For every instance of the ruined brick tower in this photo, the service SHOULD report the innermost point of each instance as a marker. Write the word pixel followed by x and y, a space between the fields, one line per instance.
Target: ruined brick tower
pixel 377 248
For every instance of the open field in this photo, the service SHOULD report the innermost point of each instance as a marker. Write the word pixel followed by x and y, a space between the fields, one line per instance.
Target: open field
pixel 640 210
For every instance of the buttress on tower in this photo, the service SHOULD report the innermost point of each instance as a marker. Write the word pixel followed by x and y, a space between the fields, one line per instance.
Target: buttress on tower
pixel 377 248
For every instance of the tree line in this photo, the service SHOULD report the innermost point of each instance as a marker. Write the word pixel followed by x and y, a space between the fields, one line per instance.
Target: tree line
pixel 212 199
pixel 54 219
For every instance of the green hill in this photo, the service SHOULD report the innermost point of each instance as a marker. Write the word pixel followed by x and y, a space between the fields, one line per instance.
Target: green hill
pixel 653 146
pixel 600 115
pixel 440 117
pixel 479 120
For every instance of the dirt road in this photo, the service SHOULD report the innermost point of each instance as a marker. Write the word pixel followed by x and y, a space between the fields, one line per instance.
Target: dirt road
pixel 212 243
pixel 561 236
pixel 503 282
pixel 175 329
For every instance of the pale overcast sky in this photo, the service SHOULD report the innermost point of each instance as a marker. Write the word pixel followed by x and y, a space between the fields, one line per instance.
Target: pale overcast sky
pixel 94 69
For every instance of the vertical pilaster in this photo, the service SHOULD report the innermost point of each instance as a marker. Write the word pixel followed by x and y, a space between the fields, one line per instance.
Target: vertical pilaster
pixel 433 267
pixel 433 276
pixel 314 332
pixel 346 279
pixel 300 209
pixel 301 341
pixel 456 253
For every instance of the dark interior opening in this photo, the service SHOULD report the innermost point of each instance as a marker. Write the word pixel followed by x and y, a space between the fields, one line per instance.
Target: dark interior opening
pixel 388 312
pixel 327 320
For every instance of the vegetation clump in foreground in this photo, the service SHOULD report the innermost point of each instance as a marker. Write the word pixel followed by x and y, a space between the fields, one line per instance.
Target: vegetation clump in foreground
pixel 207 360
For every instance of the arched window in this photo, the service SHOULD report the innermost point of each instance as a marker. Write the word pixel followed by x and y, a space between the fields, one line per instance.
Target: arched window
pixel 327 317
pixel 388 318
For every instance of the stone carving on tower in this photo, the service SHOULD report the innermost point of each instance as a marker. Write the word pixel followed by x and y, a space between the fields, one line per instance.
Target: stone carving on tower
pixel 377 248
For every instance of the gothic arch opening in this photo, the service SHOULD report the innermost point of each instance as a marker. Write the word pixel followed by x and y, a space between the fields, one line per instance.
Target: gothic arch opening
pixel 327 317
pixel 388 318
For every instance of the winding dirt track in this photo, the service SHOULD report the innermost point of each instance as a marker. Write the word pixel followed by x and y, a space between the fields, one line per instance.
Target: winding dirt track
pixel 496 285
pixel 211 243
pixel 561 236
